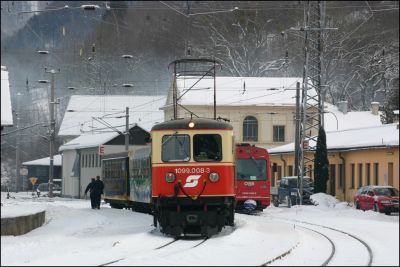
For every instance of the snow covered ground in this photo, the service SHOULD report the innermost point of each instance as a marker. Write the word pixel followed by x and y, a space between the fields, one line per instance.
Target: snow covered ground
pixel 74 234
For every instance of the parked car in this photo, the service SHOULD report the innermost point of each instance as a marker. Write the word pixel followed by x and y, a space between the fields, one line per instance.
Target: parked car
pixel 287 191
pixel 43 190
pixel 383 199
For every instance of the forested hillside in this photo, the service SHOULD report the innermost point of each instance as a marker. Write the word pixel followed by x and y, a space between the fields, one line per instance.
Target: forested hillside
pixel 249 38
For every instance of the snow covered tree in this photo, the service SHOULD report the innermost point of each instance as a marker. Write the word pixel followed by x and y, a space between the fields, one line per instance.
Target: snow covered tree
pixel 321 163
pixel 391 104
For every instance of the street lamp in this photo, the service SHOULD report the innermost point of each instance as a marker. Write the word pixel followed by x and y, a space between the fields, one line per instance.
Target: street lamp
pixel 52 127
pixel 127 56
pixel 17 145
pixel 89 7
pixel 337 121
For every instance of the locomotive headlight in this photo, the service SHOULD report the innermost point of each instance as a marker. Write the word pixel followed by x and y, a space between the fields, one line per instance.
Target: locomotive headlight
pixel 214 177
pixel 191 124
pixel 170 177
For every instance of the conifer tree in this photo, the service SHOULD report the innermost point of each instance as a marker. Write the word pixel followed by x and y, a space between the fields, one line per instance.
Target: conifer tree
pixel 321 163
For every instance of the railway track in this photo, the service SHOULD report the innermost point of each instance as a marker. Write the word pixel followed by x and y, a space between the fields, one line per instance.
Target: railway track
pixel 338 239
pixel 340 243
pixel 164 246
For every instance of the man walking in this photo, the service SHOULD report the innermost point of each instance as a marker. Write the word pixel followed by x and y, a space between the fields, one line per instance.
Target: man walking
pixel 97 190
pixel 89 188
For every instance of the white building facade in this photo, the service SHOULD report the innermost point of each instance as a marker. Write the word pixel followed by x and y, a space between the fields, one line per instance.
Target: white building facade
pixel 81 157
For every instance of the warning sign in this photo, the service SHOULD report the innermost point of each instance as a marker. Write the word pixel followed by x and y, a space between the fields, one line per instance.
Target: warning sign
pixel 33 180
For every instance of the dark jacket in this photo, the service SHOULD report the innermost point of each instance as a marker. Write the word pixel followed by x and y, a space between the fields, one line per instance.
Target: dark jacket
pixel 98 187
pixel 89 187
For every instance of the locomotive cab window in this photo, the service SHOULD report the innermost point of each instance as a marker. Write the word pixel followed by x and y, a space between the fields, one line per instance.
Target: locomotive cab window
pixel 207 147
pixel 251 169
pixel 175 148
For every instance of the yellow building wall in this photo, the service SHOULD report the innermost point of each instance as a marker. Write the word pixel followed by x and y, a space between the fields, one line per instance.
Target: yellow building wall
pixel 383 165
pixel 267 117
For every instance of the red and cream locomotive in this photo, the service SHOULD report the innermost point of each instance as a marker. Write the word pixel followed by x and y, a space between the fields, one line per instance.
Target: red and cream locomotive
pixel 193 180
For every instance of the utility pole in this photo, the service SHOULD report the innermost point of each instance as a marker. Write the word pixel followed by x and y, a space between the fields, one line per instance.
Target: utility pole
pixel 312 106
pixel 127 129
pixel 297 132
pixel 52 132
pixel 17 152
pixel 175 95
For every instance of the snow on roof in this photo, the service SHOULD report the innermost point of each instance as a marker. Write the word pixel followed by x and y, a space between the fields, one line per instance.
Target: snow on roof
pixel 6 111
pixel 78 118
pixel 239 91
pixel 352 119
pixel 88 140
pixel 44 161
pixel 375 136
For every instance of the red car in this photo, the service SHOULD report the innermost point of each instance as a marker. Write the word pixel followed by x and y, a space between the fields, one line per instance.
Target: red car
pixel 383 199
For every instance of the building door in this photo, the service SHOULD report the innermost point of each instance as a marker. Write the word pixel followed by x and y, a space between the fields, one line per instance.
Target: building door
pixel 332 178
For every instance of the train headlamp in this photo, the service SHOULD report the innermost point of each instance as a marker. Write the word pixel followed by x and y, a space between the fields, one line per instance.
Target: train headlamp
pixel 191 124
pixel 170 177
pixel 214 177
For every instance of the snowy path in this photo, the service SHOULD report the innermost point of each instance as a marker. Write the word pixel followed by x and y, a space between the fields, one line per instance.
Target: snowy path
pixel 74 234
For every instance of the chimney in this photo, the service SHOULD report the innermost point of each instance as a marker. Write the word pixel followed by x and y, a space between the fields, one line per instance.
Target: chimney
pixel 342 105
pixel 374 108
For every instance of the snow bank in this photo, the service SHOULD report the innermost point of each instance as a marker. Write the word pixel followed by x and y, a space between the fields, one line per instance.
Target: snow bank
pixel 8 210
pixel 324 200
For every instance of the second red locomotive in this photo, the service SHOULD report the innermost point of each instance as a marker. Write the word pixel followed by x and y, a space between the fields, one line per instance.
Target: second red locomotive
pixel 253 177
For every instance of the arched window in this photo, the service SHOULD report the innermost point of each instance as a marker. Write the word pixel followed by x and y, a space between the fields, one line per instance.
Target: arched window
pixel 250 129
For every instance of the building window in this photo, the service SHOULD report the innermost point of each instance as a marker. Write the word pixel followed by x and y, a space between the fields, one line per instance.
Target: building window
pixel 250 129
pixel 368 173
pixel 390 173
pixel 360 174
pixel 273 172
pixel 352 174
pixel 290 170
pixel 332 177
pixel 376 173
pixel 309 119
pixel 279 170
pixel 341 176
pixel 279 133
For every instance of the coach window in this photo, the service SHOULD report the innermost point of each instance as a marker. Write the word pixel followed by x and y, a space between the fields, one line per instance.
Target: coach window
pixel 207 147
pixel 175 147
pixel 250 129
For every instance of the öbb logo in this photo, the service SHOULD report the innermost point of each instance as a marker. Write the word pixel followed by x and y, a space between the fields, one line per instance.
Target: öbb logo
pixel 192 180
